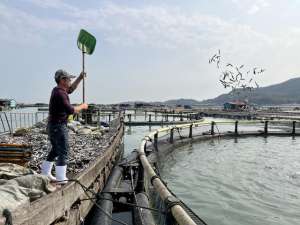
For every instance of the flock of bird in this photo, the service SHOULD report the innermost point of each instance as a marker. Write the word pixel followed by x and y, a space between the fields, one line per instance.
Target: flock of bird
pixel 233 76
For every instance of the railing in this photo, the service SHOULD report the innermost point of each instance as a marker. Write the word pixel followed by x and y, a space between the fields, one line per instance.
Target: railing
pixel 163 117
pixel 10 121
pixel 192 131
pixel 96 115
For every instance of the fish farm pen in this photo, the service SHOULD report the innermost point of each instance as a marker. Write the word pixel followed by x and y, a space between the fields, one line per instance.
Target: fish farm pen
pixel 106 188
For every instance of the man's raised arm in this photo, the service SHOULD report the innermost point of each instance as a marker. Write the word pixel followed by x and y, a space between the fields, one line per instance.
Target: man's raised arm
pixel 76 82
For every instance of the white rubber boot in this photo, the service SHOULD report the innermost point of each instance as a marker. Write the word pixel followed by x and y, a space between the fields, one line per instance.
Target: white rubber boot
pixel 61 177
pixel 46 170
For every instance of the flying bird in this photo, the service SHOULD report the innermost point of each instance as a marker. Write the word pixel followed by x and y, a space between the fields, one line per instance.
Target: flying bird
pixel 254 70
pixel 233 77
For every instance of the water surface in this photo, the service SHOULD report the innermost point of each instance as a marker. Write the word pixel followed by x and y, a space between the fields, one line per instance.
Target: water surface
pixel 241 181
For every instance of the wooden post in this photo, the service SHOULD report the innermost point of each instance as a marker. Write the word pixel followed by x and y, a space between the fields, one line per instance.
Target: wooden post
pixel 155 115
pixel 167 117
pixel 236 127
pixel 294 128
pixel 150 118
pixel 109 118
pixel 191 131
pixel 172 135
pixel 181 118
pixel 155 140
pixel 266 126
pixel 212 130
pixel 129 115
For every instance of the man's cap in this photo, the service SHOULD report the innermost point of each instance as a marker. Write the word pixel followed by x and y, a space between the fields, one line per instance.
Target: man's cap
pixel 61 74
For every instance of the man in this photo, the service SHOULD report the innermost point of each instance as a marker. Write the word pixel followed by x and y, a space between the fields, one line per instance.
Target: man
pixel 59 110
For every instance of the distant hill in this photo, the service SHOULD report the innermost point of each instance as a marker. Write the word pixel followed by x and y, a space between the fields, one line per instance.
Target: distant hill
pixel 181 101
pixel 287 92
pixel 172 102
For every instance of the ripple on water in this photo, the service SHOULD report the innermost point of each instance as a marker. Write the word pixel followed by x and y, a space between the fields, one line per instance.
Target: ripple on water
pixel 238 181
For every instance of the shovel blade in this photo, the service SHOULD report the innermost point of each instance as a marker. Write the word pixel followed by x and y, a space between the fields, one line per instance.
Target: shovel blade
pixel 86 42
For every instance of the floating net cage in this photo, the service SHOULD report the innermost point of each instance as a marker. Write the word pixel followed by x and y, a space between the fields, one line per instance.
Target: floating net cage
pixel 167 139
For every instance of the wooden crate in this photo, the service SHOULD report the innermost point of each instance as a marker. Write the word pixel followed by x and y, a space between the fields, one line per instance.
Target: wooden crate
pixel 15 153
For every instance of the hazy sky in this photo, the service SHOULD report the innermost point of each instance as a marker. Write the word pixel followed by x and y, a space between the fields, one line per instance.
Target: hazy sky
pixel 148 50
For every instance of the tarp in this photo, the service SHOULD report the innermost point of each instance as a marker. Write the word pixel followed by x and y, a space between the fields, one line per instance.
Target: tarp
pixel 19 185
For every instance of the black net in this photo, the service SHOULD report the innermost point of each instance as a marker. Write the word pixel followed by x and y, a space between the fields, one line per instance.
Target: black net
pixel 164 216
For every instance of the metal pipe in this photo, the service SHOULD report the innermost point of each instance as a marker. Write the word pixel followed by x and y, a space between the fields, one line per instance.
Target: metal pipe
pixel 16 121
pixel 2 122
pixel 11 123
pixel 5 115
pixel 83 79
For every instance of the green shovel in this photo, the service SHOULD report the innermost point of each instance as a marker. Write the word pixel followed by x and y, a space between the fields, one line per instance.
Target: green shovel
pixel 86 43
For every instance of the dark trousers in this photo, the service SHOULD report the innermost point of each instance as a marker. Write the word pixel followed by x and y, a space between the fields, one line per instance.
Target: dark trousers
pixel 59 138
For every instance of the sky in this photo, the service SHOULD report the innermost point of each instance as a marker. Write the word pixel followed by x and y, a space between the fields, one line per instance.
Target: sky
pixel 147 50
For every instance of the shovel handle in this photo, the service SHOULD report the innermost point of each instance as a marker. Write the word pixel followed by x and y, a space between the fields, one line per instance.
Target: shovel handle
pixel 83 80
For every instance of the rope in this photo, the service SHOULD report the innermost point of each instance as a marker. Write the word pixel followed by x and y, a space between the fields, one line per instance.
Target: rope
pixel 124 203
pixel 186 208
pixel 97 196
pixel 85 189
pixel 132 187
pixel 178 130
pixel 218 129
